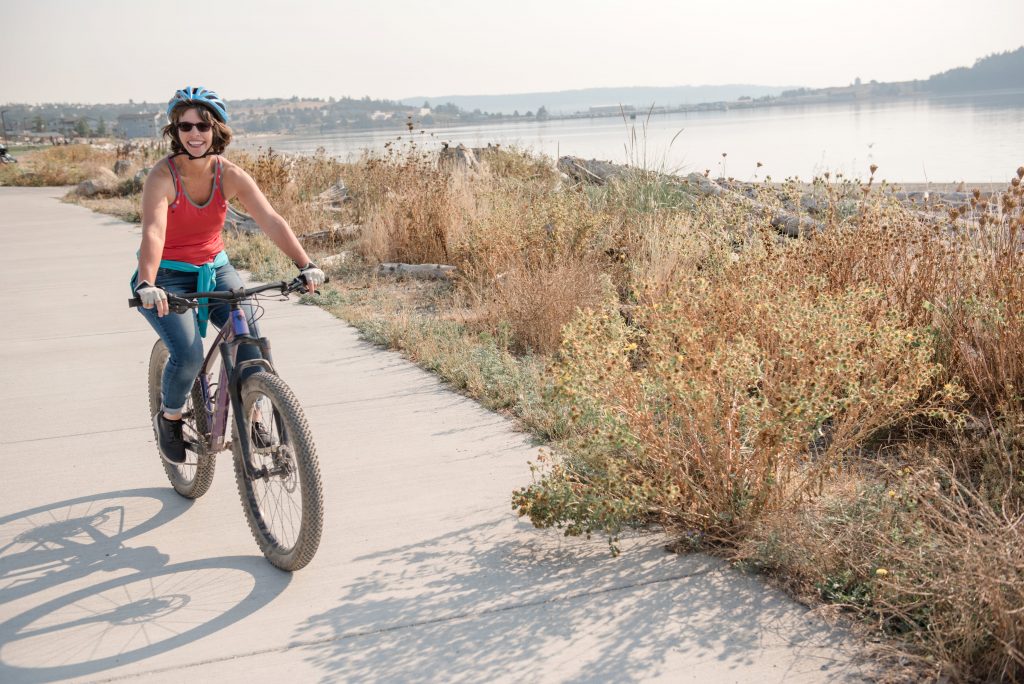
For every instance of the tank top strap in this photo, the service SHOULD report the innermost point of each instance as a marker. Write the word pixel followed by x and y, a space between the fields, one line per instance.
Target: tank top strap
pixel 217 180
pixel 176 177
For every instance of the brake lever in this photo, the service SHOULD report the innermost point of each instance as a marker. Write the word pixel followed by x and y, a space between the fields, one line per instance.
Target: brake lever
pixel 299 285
pixel 180 305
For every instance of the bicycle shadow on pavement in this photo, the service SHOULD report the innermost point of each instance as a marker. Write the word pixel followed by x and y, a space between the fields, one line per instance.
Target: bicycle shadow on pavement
pixel 496 601
pixel 153 609
pixel 132 618
pixel 69 540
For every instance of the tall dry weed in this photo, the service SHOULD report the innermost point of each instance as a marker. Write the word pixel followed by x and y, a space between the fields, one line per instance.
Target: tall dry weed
pixel 410 207
pixel 516 224
pixel 536 304
pixel 530 257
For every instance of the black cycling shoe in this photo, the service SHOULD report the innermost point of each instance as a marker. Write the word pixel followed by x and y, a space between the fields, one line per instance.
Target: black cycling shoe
pixel 261 437
pixel 169 439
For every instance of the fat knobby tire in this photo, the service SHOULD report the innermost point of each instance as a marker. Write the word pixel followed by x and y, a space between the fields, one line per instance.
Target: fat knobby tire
pixel 300 440
pixel 195 486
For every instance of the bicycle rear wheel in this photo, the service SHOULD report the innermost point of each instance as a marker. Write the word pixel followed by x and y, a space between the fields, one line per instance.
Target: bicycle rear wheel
pixel 192 478
pixel 283 499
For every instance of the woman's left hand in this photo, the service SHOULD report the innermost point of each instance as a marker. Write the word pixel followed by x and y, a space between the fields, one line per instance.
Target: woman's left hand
pixel 313 276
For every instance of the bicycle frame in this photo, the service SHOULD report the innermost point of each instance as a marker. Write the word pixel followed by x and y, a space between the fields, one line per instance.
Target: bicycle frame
pixel 232 335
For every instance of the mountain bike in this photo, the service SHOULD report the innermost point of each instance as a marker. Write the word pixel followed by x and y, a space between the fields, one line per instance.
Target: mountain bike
pixel 275 461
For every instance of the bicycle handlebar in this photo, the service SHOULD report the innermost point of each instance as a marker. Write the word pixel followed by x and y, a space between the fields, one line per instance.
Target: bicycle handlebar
pixel 180 303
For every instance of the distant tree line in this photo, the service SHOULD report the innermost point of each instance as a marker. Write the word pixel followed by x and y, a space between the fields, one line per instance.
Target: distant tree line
pixel 997 71
pixel 272 115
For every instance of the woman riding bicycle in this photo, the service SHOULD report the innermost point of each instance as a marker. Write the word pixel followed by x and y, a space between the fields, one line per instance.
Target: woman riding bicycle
pixel 184 204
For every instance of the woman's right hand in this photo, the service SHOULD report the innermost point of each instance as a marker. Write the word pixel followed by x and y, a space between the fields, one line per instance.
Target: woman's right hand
pixel 152 296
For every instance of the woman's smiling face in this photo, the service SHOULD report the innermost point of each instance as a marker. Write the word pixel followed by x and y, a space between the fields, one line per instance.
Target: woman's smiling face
pixel 195 142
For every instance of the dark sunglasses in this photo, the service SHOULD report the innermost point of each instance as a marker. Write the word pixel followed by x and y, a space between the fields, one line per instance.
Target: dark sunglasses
pixel 186 126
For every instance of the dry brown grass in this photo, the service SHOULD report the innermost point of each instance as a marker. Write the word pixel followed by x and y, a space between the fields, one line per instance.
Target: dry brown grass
pixel 921 550
pixel 292 184
pixel 524 252
pixel 537 303
pixel 964 280
pixel 57 165
pixel 125 208
pixel 510 162
pixel 414 220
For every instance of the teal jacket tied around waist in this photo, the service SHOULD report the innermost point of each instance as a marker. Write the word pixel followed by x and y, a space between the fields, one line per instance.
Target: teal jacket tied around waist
pixel 206 281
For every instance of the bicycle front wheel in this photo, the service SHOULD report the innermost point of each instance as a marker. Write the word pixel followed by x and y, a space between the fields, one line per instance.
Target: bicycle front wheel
pixel 281 491
pixel 192 478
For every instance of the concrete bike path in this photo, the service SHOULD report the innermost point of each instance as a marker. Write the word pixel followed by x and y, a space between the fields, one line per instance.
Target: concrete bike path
pixel 424 573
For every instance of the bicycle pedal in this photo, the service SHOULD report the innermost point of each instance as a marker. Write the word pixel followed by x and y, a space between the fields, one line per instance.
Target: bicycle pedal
pixel 192 446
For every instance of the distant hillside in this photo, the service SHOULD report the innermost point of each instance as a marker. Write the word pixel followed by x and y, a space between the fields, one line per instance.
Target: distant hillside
pixel 995 72
pixel 571 101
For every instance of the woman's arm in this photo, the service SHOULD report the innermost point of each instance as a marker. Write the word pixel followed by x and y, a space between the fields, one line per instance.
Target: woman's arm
pixel 155 198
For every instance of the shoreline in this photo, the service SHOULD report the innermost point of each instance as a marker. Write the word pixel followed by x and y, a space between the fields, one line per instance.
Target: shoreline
pixel 907 186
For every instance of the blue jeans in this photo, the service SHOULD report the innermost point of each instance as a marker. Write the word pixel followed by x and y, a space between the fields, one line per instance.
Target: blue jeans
pixel 180 332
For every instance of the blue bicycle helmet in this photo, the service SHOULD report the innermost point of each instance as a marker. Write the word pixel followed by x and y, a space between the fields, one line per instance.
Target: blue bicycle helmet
pixel 199 96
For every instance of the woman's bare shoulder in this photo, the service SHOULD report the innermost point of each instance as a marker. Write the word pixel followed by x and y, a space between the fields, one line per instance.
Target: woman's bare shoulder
pixel 234 177
pixel 160 170
pixel 230 168
pixel 160 175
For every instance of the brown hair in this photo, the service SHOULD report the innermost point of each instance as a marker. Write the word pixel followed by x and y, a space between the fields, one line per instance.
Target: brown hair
pixel 221 133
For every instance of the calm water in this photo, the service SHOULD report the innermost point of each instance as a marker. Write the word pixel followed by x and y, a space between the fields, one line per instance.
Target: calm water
pixel 977 139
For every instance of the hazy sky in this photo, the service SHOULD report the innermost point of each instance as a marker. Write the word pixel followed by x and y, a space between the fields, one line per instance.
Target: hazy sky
pixel 113 50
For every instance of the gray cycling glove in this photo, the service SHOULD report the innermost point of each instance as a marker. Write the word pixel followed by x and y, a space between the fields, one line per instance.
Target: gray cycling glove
pixel 150 295
pixel 313 275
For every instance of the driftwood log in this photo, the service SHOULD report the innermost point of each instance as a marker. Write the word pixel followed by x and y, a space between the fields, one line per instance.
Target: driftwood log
pixel 243 223
pixel 424 271
pixel 601 172
pixel 792 220
pixel 786 222
pixel 335 232
pixel 590 171
pixel 336 259
pixel 239 222
pixel 459 156
pixel 336 195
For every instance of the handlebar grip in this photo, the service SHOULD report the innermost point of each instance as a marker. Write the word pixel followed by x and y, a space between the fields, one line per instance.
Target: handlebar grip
pixel 174 304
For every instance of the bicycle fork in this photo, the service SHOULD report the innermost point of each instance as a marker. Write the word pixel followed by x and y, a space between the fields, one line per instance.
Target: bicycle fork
pixel 231 373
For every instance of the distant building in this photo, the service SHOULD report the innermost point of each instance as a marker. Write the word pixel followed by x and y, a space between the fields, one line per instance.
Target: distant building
pixel 146 125
pixel 381 116
pixel 66 127
pixel 612 109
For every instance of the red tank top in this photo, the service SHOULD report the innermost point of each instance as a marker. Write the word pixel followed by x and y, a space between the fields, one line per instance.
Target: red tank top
pixel 194 231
